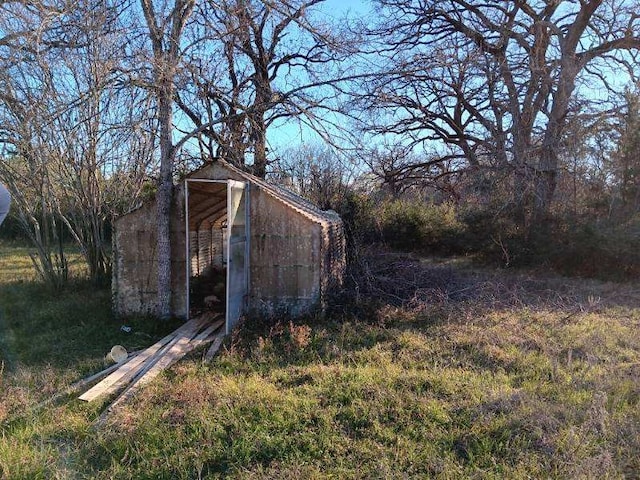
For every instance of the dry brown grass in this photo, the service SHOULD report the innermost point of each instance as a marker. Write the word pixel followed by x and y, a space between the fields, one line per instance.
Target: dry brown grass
pixel 437 370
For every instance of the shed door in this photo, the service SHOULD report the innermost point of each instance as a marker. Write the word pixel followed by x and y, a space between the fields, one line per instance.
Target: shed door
pixel 237 251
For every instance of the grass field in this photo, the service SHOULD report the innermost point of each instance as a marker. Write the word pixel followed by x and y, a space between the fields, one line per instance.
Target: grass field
pixel 432 370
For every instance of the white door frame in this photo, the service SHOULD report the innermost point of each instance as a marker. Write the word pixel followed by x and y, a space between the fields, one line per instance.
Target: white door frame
pixel 187 181
pixel 245 272
pixel 247 189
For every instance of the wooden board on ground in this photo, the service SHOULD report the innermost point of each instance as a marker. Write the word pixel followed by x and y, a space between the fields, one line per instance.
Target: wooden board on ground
pixel 205 336
pixel 83 382
pixel 147 364
pixel 133 366
pixel 182 344
pixel 217 343
pixel 179 349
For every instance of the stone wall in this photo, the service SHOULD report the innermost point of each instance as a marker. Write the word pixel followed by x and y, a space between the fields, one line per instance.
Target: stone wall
pixel 135 267
pixel 295 260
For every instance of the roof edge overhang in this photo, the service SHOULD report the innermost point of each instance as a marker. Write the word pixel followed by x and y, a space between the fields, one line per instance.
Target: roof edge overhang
pixel 304 207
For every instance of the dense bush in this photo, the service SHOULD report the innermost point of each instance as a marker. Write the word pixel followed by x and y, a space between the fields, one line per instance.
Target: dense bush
pixel 407 224
pixel 425 227
pixel 598 250
pixel 493 235
pixel 358 214
pixel 584 247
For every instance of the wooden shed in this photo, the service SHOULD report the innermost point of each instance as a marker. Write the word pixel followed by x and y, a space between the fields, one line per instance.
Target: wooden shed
pixel 240 245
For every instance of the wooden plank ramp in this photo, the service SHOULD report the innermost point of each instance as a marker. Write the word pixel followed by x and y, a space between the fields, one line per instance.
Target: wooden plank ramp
pixel 175 352
pixel 139 370
pixel 217 342
pixel 132 366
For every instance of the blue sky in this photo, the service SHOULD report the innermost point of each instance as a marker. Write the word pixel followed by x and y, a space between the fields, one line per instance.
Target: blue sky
pixel 342 6
pixel 290 132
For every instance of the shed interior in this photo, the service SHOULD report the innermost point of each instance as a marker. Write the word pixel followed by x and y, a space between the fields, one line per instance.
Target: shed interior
pixel 207 246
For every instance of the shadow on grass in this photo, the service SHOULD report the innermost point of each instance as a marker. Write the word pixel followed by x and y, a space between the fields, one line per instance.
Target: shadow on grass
pixel 62 329
pixel 384 278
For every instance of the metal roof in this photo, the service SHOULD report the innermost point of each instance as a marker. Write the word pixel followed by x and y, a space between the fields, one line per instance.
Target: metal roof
pixel 282 194
pixel 279 192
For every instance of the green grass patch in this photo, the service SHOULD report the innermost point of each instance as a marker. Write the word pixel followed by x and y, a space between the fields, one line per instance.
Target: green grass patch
pixel 526 378
pixel 48 340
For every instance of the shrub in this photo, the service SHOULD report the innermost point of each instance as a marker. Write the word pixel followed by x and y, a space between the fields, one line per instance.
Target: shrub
pixel 416 226
pixel 494 237
pixel 358 214
pixel 595 250
pixel 574 246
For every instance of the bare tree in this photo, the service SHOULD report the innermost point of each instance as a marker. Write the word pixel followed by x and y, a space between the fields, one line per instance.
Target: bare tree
pixel 165 27
pixel 400 170
pixel 627 157
pixel 494 84
pixel 315 172
pixel 73 149
pixel 270 61
pixel 27 31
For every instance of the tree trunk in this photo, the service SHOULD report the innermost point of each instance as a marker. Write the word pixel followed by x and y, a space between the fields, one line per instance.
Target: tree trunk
pixel 522 181
pixel 547 171
pixel 260 149
pixel 521 196
pixel 545 187
pixel 163 199
pixel 166 60
pixel 258 124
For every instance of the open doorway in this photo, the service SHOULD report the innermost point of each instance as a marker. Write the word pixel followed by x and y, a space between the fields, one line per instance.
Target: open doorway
pixel 217 223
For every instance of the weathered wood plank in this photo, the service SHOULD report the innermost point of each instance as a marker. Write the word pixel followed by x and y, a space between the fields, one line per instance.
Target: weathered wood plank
pixel 103 373
pixel 217 343
pixel 134 375
pixel 202 337
pixel 179 349
pixel 174 351
pixel 83 383
pixel 131 367
pixel 184 342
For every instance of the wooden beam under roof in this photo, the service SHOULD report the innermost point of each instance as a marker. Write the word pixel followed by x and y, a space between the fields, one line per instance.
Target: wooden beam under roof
pixel 208 188
pixel 209 193
pixel 202 206
pixel 200 215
